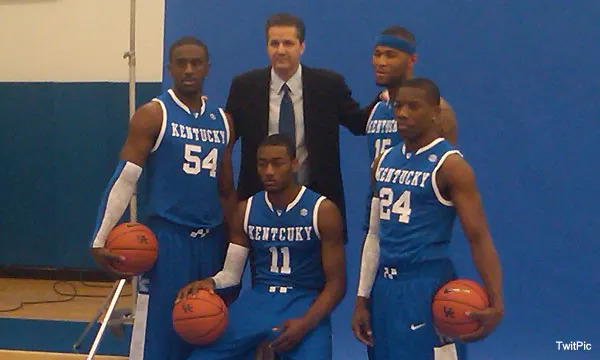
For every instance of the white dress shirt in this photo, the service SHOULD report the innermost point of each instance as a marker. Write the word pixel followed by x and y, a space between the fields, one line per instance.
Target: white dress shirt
pixel 275 96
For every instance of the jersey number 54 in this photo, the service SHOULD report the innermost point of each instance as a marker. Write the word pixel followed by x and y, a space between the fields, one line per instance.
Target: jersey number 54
pixel 193 163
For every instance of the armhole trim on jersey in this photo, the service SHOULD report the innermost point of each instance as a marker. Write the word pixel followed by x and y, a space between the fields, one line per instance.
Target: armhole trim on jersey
pixel 436 190
pixel 316 216
pixel 381 160
pixel 247 214
pixel 163 125
pixel 226 125
pixel 373 112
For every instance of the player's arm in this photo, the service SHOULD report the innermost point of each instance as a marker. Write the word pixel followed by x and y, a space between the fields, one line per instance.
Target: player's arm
pixel 333 259
pixel 351 116
pixel 361 323
pixel 457 181
pixel 235 260
pixel 144 128
pixel 447 122
pixel 227 194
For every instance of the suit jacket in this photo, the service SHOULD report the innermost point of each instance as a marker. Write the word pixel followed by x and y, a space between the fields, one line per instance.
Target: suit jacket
pixel 327 103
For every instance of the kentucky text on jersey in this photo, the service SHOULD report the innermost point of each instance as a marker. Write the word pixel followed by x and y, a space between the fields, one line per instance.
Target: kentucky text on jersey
pixel 265 233
pixel 375 126
pixel 401 176
pixel 194 133
pixel 416 221
pixel 184 165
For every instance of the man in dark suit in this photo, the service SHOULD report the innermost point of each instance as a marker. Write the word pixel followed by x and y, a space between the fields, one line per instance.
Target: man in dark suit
pixel 304 103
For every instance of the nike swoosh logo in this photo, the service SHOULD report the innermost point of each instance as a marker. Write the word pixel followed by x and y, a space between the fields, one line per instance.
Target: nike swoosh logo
pixel 415 327
pixel 449 290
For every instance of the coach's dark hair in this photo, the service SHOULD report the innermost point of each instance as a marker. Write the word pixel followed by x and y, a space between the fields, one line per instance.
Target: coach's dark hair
pixel 432 92
pixel 186 40
pixel 285 19
pixel 401 32
pixel 280 140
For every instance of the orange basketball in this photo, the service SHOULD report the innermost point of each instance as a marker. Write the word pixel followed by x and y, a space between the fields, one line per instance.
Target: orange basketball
pixel 450 304
pixel 137 243
pixel 200 318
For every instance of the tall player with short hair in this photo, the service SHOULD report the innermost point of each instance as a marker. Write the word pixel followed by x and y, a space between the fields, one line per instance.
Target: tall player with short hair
pixel 393 59
pixel 421 185
pixel 294 238
pixel 394 56
pixel 184 143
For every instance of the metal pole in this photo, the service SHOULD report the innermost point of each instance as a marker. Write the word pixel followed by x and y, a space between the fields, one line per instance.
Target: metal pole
pixel 111 307
pixel 94 320
pixel 131 57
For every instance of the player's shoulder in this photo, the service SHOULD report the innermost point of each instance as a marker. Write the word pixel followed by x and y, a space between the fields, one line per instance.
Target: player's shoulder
pixel 319 199
pixel 327 205
pixel 242 205
pixel 438 146
pixel 454 170
pixel 309 194
pixel 380 105
pixel 152 110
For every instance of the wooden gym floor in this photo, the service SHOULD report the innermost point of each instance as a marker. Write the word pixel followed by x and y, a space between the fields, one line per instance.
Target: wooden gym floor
pixel 14 292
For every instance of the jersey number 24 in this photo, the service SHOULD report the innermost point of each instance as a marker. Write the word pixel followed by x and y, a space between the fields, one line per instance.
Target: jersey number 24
pixel 401 207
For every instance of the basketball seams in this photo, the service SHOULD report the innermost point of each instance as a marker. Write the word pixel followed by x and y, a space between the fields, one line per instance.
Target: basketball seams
pixel 214 321
pixel 208 332
pixel 464 301
pixel 458 302
pixel 123 240
pixel 218 327
pixel 477 289
pixel 197 316
pixel 457 322
pixel 220 306
pixel 134 249
pixel 129 230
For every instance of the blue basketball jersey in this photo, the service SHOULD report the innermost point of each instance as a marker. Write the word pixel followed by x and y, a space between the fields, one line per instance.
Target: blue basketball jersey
pixel 382 131
pixel 285 244
pixel 415 220
pixel 184 163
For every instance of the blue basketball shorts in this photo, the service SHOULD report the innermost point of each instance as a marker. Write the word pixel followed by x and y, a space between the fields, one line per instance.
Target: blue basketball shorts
pixel 184 254
pixel 401 319
pixel 251 320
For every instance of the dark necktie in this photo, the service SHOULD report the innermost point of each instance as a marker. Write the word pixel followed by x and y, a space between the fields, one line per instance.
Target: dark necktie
pixel 286 115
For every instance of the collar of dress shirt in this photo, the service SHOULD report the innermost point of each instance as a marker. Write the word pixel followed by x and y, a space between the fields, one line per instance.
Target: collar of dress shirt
pixel 294 83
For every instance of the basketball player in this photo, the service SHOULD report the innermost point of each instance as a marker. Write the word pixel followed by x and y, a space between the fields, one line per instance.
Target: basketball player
pixel 294 237
pixel 393 59
pixel 184 143
pixel 420 187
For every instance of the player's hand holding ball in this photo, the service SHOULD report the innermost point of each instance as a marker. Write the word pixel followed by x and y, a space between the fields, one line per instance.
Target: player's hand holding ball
pixel 292 331
pixel 488 320
pixel 194 287
pixel 361 322
pixel 104 258
pixel 462 310
pixel 131 248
